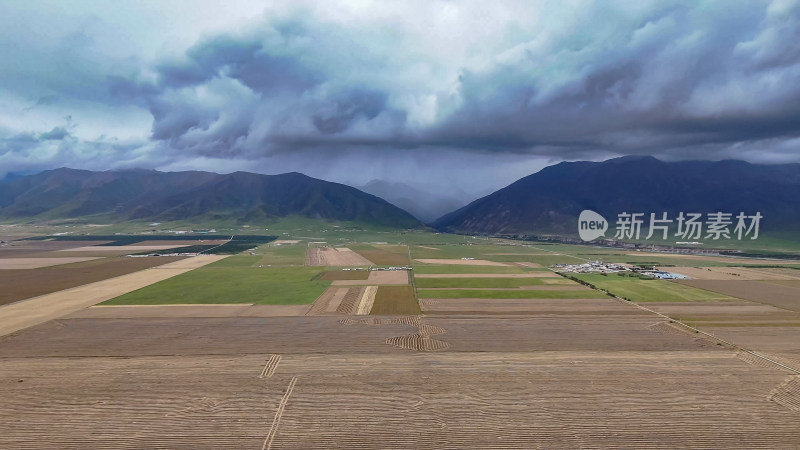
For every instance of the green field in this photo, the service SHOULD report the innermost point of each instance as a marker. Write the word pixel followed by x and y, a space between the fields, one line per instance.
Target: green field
pixel 231 282
pixel 281 255
pixel 638 290
pixel 485 293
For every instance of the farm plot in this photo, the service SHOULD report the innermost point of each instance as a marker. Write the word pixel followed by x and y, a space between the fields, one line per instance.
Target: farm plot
pixel 344 301
pixel 122 248
pixel 317 382
pixel 786 296
pixel 21 284
pixel 334 275
pixel 330 256
pixel 47 307
pixel 228 282
pixel 36 263
pixel 377 277
pixel 462 262
pixel 384 255
pixel 538 307
pixel 508 293
pixel 639 290
pixel 395 300
pixel 732 273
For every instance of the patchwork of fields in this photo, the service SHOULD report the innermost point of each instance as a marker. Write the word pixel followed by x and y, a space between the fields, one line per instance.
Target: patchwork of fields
pixel 298 344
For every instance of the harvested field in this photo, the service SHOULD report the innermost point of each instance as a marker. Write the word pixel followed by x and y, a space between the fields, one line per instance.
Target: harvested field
pixel 24 314
pixel 395 300
pixel 333 275
pixel 491 294
pixel 493 282
pixel 377 277
pixel 383 257
pixel 342 300
pixel 23 284
pixel 329 256
pixel 547 274
pixel 167 311
pixel 36 263
pixel 739 311
pixel 463 262
pixel 539 307
pixel 781 296
pixel 313 382
pixel 731 273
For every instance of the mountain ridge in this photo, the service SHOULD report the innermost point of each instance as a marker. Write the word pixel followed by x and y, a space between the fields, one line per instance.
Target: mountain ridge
pixel 549 201
pixel 138 194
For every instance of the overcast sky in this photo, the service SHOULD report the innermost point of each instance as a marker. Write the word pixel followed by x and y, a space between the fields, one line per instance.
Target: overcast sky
pixel 474 94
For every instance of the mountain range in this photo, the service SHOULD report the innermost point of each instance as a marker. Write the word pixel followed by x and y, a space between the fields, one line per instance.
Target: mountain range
pixel 149 195
pixel 545 203
pixel 549 201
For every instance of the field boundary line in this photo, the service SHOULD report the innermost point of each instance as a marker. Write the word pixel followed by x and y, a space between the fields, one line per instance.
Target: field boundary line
pixel 678 322
pixel 218 246
pixel 273 430
pixel 730 344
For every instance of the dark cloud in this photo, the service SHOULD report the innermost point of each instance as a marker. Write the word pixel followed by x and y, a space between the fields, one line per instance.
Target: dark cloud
pixel 676 79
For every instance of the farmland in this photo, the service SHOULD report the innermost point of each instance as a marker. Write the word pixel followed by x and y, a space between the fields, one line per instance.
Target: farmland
pixel 256 349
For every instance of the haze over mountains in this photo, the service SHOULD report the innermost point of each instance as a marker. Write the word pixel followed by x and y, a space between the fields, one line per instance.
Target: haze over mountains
pixel 549 201
pixel 425 205
pixel 238 197
pixel 545 203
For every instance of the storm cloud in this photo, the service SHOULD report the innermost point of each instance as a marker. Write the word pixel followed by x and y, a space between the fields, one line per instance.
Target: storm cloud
pixel 306 84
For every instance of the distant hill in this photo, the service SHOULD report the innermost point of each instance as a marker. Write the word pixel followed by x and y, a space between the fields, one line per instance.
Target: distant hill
pixel 149 195
pixel 549 201
pixel 425 206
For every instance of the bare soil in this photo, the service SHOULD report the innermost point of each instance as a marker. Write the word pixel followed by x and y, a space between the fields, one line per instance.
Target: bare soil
pixel 377 278
pixel 733 273
pixel 35 263
pixel 781 296
pixel 21 284
pixel 490 275
pixel 329 256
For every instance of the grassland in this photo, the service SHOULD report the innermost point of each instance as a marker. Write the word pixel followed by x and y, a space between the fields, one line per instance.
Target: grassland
pixel 395 300
pixel 232 281
pixel 638 290
pixel 281 255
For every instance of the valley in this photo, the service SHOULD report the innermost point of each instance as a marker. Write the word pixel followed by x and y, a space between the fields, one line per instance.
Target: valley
pixel 363 336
